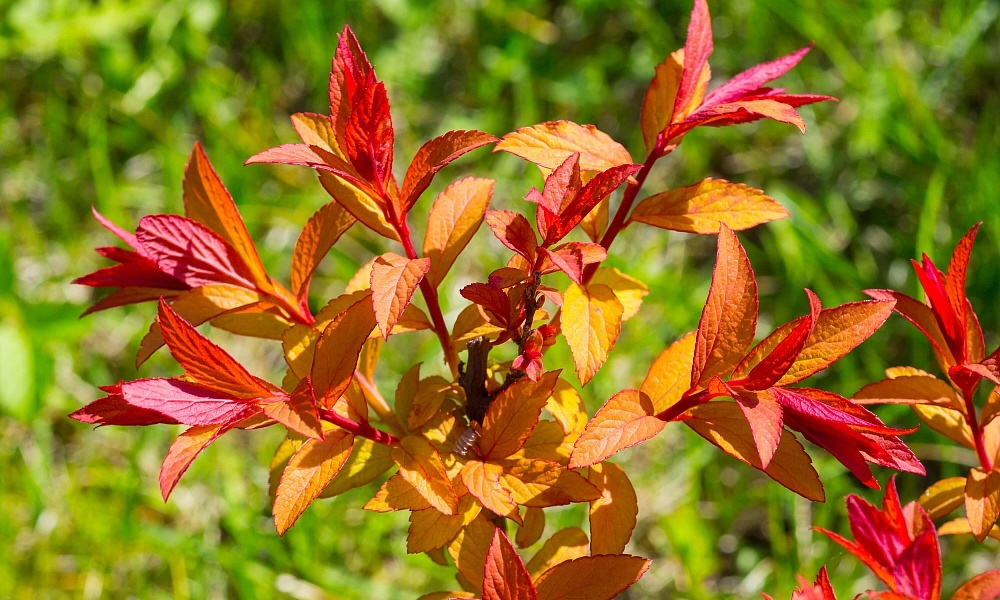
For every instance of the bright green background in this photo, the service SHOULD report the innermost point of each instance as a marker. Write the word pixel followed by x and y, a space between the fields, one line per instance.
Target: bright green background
pixel 100 103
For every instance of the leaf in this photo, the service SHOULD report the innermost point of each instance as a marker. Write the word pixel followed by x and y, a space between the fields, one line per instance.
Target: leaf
pixel 837 331
pixel 591 577
pixel 368 135
pixel 321 232
pixel 565 544
pixel 299 413
pixel 591 322
pixel 549 144
pixel 982 501
pixel 542 483
pixel 595 223
pixel 505 577
pixel 947 422
pixel 470 547
pixel 337 350
pixel 985 586
pixel 670 374
pixel 433 156
pixel 613 515
pixel 483 481
pixel 454 218
pixel 394 279
pixel 629 290
pixel 531 531
pixel 706 205
pixel 943 497
pixel 397 493
pixel 513 414
pixel 183 451
pixel 368 460
pixel 207 201
pixel 697 48
pixel 729 319
pixel 359 202
pixel 421 466
pixel 658 101
pixel 624 421
pixel 723 424
pixel 747 111
pixel 496 303
pixel 590 196
pixel 752 79
pixel 991 410
pixel 567 407
pixel 922 317
pixel 764 416
pixel 191 252
pixel 909 389
pixel 310 469
pixel 513 231
pixel 960 526
pixel 429 529
pixel 317 130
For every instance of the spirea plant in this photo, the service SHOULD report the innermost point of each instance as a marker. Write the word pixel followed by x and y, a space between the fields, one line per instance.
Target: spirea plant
pixel 478 454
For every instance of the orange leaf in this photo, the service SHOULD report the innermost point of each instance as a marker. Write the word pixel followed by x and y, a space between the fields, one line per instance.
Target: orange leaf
pixel 433 156
pixel 745 111
pixel 706 205
pixel 909 389
pixel 337 350
pixel 658 101
pixel 397 493
pixel 470 547
pixel 531 531
pixel 211 366
pixel 595 222
pixel 943 497
pixel 764 416
pixel 697 48
pixel 455 217
pixel 991 410
pixel 613 515
pixel 624 421
pixel 567 407
pixel 591 577
pixel 981 587
pixel 565 544
pixel 542 483
pixel 207 201
pixel 513 231
pixel 321 232
pixel 670 374
pixel 513 414
pixel 368 460
pixel 430 393
pixel 729 318
pixel 183 451
pixel 960 526
pixel 483 481
pixel 299 412
pixel 837 331
pixel 429 529
pixel 982 501
pixel 549 144
pixel 505 577
pixel 421 465
pixel 365 208
pixel 394 279
pixel 723 424
pixel 591 321
pixel 311 468
pixel 629 290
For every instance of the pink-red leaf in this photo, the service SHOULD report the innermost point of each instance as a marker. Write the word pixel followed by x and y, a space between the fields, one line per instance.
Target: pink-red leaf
pixel 191 252
pixel 697 48
pixel 513 231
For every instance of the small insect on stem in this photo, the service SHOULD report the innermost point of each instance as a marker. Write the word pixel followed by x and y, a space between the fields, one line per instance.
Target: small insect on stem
pixel 466 441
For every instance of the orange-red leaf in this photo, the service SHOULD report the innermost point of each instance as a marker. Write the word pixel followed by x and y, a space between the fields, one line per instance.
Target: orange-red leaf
pixel 697 48
pixel 505 577
pixel 483 481
pixel 764 416
pixel 455 216
pixel 513 414
pixel 421 465
pixel 299 412
pixel 706 205
pixel 394 279
pixel 981 587
pixel 321 232
pixel 310 469
pixel 613 515
pixel 591 321
pixel 337 350
pixel 591 577
pixel 670 374
pixel 729 319
pixel 183 451
pixel 624 421
pixel 513 231
pixel 433 156
pixel 548 145
pixel 982 501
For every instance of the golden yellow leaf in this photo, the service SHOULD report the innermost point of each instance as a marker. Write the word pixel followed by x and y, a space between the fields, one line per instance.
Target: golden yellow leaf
pixel 542 483
pixel 670 374
pixel 982 501
pixel 368 460
pixel 658 102
pixel 397 494
pixel 567 407
pixel 471 324
pixel 317 130
pixel 429 395
pixel 629 290
pixel 531 531
pixel 310 469
pixel 613 515
pixel 591 322
pixel 960 526
pixel 421 465
pixel 366 209
pixel 565 544
pixel 943 497
pixel 947 422
pixel 550 144
pixel 596 221
pixel 702 207
pixel 457 213
pixel 429 529
pixel 469 549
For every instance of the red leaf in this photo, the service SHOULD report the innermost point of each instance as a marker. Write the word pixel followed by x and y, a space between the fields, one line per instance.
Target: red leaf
pixel 571 258
pixel 191 252
pixel 369 136
pixel 774 366
pixel 596 190
pixel 505 577
pixel 748 81
pixel 299 412
pixel 697 48
pixel 765 419
pixel 562 184
pixel 350 70
pixel 494 300
pixel 433 156
pixel 953 328
pixel 183 402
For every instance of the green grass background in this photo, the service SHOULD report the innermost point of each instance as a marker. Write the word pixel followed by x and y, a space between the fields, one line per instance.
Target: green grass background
pixel 101 102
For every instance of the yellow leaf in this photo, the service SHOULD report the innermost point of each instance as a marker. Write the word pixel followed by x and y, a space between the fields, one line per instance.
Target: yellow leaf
pixel 320 233
pixel 629 290
pixel 457 213
pixel 364 208
pixel 310 469
pixel 982 501
pixel 550 144
pixel 723 424
pixel 625 420
pixel 543 483
pixel 591 322
pixel 547 442
pixel 397 494
pixel 613 515
pixel 910 389
pixel 658 102
pixel 513 414
pixel 429 395
pixel 394 279
pixel 947 422
pixel 943 497
pixel 469 549
pixel 368 460
pixel 960 526
pixel 565 544
pixel 317 130
pixel 421 465
pixel 567 407
pixel 471 324
pixel 429 529
pixel 702 207
pixel 596 221
pixel 531 531
pixel 603 576
pixel 670 374
pixel 483 482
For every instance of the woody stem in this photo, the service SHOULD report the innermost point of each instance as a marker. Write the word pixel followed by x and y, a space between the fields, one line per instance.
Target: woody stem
pixel 360 429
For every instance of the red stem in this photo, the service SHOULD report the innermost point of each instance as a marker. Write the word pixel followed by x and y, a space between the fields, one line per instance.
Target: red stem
pixel 360 429
pixel 977 432
pixel 683 405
